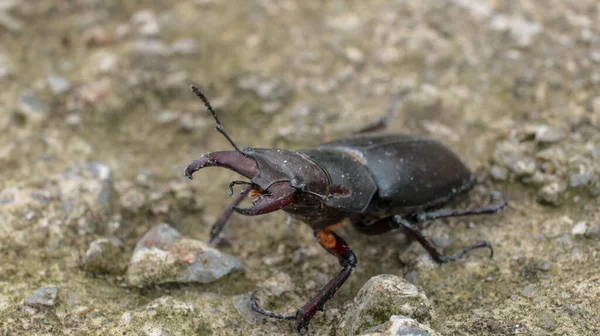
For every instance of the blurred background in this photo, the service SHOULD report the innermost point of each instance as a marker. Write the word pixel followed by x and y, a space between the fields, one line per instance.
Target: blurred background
pixel 98 123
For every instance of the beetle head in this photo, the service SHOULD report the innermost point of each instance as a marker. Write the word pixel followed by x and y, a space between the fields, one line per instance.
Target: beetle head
pixel 273 191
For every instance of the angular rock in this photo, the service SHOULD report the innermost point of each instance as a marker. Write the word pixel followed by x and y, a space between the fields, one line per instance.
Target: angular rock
pixel 593 231
pixel 552 194
pixel 104 256
pixel 399 325
pixel 43 297
pixel 164 256
pixel 384 296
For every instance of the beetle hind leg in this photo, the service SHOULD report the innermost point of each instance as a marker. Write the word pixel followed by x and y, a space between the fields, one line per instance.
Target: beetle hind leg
pixel 336 246
pixel 500 202
pixel 438 257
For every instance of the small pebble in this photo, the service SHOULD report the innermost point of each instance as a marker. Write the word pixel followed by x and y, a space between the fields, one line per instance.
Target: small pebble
pixel 43 296
pixel 547 135
pixel 380 298
pixel 523 167
pixel 146 22
pixel 565 242
pixel 595 192
pixel 400 325
pixel 354 55
pixel 31 107
pixel 528 290
pixel 552 194
pixel 163 255
pixel 58 84
pixel 104 256
pixel 593 231
pixel 579 229
pixel 499 173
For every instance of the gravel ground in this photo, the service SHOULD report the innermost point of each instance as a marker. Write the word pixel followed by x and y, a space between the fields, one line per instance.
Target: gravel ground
pixel 98 123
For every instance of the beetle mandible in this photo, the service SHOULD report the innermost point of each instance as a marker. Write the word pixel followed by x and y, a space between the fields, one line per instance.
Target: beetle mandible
pixel 379 182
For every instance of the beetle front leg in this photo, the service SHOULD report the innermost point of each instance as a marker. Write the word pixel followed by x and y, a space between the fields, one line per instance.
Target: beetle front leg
pixel 219 225
pixel 336 246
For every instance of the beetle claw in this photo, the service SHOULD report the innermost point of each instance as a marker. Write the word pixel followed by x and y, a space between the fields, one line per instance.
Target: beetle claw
pixel 254 305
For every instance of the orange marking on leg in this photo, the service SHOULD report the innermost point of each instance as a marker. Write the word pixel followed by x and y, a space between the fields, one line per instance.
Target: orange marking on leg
pixel 254 193
pixel 326 239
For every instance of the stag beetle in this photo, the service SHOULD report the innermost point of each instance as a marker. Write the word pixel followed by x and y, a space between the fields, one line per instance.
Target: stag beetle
pixel 379 182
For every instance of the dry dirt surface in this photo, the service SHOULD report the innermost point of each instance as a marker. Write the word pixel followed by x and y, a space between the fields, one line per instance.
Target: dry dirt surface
pixel 98 123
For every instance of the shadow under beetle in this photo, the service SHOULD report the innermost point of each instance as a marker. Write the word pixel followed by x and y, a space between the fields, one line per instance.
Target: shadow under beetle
pixel 379 182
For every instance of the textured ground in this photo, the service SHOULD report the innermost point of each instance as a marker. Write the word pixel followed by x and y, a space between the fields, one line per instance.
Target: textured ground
pixel 97 124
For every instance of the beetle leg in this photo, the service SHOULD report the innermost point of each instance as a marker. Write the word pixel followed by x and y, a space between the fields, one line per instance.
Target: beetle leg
pixel 220 223
pixel 336 246
pixel 395 222
pixel 384 121
pixel 414 232
pixel 372 227
pixel 422 217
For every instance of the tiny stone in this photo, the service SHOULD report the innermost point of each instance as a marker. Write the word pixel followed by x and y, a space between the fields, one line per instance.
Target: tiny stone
pixel 31 107
pixel 58 84
pixel 146 22
pixel 132 200
pixel 278 284
pixel 499 173
pixel 552 194
pixel 151 48
pixel 547 134
pixel 593 231
pixel 579 179
pixel 546 322
pixel 536 180
pixel 595 192
pixel 103 256
pixel 43 296
pixel 167 117
pixel 565 242
pixel 73 119
pixel 400 325
pixel 523 167
pixel 579 229
pixel 528 290
pixel 523 31
pixel 354 55
pixel 344 22
pixel 545 265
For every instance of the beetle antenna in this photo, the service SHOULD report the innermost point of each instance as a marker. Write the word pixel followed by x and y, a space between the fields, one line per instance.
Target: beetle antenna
pixel 218 127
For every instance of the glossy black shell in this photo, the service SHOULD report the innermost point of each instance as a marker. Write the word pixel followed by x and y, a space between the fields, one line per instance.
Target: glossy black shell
pixel 397 173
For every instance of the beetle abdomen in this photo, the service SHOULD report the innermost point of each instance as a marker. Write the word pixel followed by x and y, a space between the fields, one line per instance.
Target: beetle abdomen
pixel 410 172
